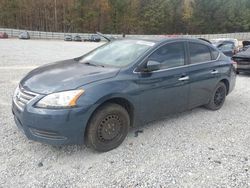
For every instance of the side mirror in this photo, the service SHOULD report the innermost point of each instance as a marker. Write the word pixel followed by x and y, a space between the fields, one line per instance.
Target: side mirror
pixel 153 65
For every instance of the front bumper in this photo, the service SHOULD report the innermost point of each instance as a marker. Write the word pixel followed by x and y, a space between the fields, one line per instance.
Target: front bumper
pixel 54 127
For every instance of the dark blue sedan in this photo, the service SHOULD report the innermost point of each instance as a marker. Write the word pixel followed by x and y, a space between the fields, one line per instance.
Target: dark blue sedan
pixel 96 98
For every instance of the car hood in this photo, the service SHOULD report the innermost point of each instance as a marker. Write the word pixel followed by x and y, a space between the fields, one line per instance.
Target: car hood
pixel 64 75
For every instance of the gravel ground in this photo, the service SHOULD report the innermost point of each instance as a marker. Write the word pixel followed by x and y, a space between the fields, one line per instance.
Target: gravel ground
pixel 198 148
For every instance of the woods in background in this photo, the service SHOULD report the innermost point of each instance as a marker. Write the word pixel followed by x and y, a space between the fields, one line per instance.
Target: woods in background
pixel 127 16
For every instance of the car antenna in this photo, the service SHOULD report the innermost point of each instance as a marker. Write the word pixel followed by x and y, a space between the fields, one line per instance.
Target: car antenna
pixel 205 40
pixel 104 36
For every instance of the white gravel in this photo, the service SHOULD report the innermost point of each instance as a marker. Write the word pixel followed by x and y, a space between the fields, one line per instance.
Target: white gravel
pixel 198 148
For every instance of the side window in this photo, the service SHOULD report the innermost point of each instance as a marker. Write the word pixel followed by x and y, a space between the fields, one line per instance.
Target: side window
pixel 214 53
pixel 170 55
pixel 199 53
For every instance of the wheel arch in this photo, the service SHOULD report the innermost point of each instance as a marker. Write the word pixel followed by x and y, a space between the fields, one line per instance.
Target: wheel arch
pixel 126 104
pixel 227 84
pixel 120 100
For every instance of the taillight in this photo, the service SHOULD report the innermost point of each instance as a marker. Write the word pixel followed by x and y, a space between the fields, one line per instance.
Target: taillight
pixel 234 64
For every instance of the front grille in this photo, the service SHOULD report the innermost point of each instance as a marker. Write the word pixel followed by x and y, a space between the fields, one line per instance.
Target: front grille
pixel 23 97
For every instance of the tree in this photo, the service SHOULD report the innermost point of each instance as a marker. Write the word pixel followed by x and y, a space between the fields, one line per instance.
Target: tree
pixel 127 16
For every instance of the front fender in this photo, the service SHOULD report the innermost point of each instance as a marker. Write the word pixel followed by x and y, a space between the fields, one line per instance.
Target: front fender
pixel 98 93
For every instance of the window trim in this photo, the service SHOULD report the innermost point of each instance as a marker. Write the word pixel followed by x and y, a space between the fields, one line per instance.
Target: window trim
pixel 173 68
pixel 187 59
pixel 184 66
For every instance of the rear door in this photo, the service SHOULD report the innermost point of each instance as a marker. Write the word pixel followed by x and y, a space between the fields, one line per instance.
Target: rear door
pixel 203 73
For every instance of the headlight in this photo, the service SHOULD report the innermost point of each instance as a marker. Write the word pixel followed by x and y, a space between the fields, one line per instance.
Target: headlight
pixel 64 99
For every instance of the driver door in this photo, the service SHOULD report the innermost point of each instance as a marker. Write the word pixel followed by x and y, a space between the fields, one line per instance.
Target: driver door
pixel 165 90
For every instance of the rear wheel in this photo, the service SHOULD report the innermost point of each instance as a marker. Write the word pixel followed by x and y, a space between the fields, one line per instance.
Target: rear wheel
pixel 218 98
pixel 107 128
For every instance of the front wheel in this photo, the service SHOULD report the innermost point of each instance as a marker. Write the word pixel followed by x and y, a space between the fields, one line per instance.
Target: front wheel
pixel 218 97
pixel 107 128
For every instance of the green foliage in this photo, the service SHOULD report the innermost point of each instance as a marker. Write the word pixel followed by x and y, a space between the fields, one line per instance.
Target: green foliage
pixel 127 16
pixel 220 16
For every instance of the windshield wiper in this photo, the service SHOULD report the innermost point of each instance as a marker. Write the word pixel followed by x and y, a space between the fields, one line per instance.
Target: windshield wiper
pixel 93 64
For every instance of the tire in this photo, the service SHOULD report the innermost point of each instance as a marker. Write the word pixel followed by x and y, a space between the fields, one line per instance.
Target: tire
pixel 107 128
pixel 218 97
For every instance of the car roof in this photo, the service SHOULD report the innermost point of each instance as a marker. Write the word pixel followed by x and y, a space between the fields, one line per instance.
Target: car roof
pixel 159 40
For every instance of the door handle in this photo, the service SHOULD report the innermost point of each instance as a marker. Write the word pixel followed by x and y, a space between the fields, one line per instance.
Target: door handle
pixel 214 72
pixel 184 78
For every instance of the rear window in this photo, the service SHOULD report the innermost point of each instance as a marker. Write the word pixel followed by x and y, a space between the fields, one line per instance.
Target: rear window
pixel 199 53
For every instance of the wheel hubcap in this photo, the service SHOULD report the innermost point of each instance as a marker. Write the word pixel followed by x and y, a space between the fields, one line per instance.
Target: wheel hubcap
pixel 109 128
pixel 219 96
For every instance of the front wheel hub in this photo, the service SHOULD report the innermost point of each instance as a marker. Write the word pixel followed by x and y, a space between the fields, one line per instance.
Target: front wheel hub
pixel 109 128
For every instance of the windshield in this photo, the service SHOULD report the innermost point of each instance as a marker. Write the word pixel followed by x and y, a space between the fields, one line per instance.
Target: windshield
pixel 118 53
